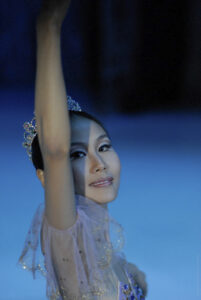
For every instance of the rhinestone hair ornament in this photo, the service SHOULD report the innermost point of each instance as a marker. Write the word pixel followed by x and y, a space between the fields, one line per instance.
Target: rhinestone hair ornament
pixel 31 127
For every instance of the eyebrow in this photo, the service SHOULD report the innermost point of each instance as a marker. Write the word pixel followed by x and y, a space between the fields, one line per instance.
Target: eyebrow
pixel 98 138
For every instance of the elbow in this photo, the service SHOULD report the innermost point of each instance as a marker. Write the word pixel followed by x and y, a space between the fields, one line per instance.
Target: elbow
pixel 53 141
pixel 54 150
pixel 53 147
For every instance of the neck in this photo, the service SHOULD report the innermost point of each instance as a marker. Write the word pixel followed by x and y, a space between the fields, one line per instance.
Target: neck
pixel 103 205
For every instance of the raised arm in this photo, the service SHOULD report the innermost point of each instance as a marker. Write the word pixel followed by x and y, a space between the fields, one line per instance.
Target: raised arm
pixel 52 116
pixel 50 91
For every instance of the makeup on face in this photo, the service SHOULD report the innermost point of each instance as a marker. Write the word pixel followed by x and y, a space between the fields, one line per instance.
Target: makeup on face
pixel 102 182
pixel 95 164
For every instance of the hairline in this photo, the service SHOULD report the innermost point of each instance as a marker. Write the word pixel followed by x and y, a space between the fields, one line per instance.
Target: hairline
pixel 90 118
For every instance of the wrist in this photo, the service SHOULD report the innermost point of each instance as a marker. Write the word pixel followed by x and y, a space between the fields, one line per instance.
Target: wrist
pixel 46 23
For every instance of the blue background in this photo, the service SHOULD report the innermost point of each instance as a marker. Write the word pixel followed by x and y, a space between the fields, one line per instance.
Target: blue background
pixel 146 90
pixel 158 203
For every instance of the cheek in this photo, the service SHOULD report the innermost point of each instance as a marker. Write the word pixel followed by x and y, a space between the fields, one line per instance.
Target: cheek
pixel 118 163
pixel 78 169
pixel 115 163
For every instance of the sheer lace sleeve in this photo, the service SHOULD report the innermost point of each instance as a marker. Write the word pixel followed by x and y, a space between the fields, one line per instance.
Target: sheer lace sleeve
pixel 31 258
pixel 65 258
pixel 82 262
pixel 75 259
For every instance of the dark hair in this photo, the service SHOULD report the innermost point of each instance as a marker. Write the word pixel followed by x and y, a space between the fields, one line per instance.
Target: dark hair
pixel 35 147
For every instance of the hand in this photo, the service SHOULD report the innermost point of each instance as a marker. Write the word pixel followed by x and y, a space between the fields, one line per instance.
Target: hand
pixel 53 11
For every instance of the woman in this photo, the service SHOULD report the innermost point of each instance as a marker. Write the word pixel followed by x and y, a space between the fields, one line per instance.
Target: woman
pixel 80 173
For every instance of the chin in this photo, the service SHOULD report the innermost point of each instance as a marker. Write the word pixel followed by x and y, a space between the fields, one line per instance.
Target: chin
pixel 103 197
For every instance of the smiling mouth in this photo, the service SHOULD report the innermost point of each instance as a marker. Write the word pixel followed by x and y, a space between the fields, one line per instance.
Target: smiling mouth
pixel 102 182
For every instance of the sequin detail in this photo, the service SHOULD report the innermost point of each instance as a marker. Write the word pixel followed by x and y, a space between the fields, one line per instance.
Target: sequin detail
pixel 31 258
pixel 130 291
pixel 95 242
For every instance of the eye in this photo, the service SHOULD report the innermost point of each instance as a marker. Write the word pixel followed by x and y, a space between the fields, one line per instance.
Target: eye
pixel 105 147
pixel 77 154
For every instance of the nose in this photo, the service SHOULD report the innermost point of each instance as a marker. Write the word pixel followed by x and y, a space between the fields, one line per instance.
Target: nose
pixel 97 164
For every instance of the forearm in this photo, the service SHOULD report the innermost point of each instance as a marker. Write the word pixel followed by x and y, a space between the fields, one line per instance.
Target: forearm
pixel 50 92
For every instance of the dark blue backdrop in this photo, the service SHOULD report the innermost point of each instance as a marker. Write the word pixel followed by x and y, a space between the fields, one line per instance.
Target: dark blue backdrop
pixel 129 55
pixel 134 56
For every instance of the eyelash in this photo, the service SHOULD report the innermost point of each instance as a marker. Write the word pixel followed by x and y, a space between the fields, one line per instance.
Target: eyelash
pixel 74 156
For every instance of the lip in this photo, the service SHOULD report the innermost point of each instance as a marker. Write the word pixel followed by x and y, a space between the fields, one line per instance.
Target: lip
pixel 102 182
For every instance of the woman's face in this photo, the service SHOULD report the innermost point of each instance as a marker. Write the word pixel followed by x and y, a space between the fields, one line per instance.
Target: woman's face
pixel 93 159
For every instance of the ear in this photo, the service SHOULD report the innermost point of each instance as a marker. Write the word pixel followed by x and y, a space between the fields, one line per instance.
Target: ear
pixel 41 177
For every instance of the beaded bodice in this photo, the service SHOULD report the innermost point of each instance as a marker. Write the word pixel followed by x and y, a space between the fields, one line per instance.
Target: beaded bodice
pixel 84 261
